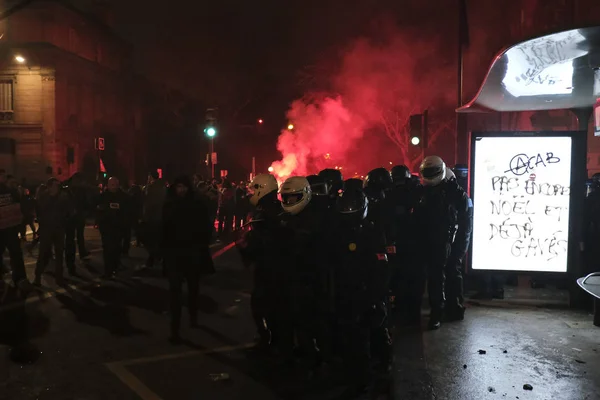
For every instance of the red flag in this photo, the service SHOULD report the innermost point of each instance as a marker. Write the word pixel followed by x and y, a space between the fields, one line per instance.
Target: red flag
pixel 102 169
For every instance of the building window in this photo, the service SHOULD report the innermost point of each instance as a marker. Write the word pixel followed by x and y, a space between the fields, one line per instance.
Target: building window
pixel 6 100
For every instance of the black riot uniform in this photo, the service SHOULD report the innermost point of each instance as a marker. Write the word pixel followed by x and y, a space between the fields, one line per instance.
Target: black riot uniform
pixel 361 285
pixel 444 217
pixel 304 282
pixel 113 221
pixel 406 279
pixel 377 188
pixel 260 248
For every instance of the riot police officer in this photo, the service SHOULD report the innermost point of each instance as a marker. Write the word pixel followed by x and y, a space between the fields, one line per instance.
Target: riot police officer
pixel 335 182
pixel 377 186
pixel 407 277
pixel 304 286
pixel 361 284
pixel 259 249
pixel 320 193
pixel 444 216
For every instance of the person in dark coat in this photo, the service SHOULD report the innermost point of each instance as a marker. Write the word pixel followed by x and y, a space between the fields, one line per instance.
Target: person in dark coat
pixel 113 220
pixel 55 212
pixel 186 238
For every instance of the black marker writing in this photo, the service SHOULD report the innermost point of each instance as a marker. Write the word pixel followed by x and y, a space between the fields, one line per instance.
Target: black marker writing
pixel 554 211
pixel 510 229
pixel 546 189
pixel 503 183
pixel 522 163
pixel 504 207
pixel 549 247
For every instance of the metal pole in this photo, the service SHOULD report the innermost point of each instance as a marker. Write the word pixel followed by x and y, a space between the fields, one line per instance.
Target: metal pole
pixel 253 166
pixel 212 150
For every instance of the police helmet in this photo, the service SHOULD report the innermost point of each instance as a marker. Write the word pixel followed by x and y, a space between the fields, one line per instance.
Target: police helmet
pixel 352 204
pixel 261 185
pixel 334 179
pixel 377 182
pixel 432 170
pixel 353 184
pixel 295 194
pixel 318 185
pixel 400 173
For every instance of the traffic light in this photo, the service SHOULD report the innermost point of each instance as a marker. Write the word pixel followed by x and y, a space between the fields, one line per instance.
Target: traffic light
pixel 211 122
pixel 104 175
pixel 210 132
pixel 418 129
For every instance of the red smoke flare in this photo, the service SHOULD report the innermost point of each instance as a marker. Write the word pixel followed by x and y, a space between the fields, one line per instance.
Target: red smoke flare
pixel 365 124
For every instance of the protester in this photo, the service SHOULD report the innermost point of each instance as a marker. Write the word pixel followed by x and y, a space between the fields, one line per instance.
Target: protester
pixel 186 237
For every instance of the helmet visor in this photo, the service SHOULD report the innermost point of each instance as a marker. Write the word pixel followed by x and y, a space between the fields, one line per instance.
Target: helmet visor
pixel 319 189
pixel 432 172
pixel 350 203
pixel 289 199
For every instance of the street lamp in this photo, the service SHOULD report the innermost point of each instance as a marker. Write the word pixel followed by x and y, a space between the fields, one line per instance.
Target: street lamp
pixel 20 59
pixel 260 121
pixel 415 140
pixel 270 169
pixel 291 127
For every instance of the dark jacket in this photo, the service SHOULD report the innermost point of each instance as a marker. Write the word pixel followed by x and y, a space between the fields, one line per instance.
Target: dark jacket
pixel 154 199
pixel 444 216
pixel 10 208
pixel 114 210
pixel 185 223
pixel 54 211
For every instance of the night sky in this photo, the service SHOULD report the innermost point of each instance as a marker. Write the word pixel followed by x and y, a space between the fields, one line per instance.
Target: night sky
pixel 247 57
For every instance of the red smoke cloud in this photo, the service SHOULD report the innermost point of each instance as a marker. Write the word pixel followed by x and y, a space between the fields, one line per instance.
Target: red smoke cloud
pixel 363 124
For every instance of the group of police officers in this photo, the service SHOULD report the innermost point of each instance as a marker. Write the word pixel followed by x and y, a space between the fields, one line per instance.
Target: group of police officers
pixel 333 259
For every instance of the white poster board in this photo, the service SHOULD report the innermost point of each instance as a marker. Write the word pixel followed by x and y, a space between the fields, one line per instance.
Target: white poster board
pixel 521 194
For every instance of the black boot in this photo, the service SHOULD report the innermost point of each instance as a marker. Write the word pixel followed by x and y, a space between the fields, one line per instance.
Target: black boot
pixel 435 320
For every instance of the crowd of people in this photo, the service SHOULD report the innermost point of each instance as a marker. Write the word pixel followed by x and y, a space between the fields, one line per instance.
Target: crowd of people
pixel 332 259
pixel 58 212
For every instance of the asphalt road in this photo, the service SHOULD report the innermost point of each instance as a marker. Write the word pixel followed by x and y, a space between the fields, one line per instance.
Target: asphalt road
pixel 108 340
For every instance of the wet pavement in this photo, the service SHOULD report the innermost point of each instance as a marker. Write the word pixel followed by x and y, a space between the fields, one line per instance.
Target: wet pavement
pixel 108 340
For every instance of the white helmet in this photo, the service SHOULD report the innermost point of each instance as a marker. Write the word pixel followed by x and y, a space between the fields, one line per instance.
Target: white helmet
pixel 261 185
pixel 449 174
pixel 432 170
pixel 295 194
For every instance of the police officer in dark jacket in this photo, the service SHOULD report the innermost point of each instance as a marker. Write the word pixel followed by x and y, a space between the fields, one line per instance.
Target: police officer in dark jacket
pixel 259 246
pixel 335 182
pixel 444 216
pixel 407 278
pixel 304 283
pixel 321 193
pixel 113 220
pixel 361 285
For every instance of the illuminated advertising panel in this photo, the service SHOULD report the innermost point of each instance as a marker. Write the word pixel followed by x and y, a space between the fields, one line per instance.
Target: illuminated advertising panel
pixel 521 194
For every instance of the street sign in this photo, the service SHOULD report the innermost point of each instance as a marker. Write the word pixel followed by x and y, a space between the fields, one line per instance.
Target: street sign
pixel 213 158
pixel 99 143
pixel 223 173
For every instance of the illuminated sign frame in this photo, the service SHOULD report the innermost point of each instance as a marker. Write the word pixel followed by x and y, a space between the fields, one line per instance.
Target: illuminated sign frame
pixel 578 175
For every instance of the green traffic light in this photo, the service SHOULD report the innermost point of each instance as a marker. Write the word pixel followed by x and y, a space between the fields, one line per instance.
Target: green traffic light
pixel 211 132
